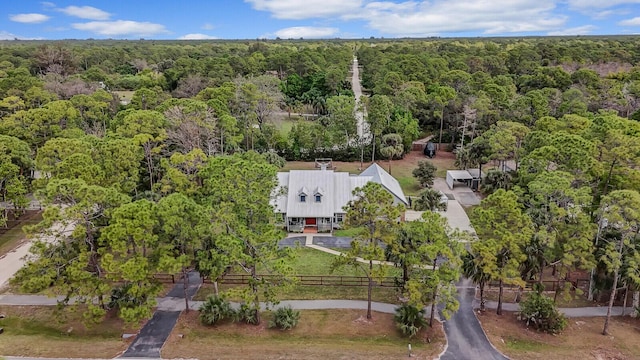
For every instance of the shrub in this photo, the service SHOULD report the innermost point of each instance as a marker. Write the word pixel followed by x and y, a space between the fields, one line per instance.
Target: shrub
pixel 214 309
pixel 541 313
pixel 409 319
pixel 425 173
pixel 247 314
pixel 124 296
pixel 285 318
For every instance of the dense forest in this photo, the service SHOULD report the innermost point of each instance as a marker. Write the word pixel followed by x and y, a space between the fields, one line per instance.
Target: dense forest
pixel 128 137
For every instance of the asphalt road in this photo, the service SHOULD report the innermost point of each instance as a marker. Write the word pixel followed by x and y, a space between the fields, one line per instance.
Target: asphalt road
pixel 155 332
pixel 152 336
pixel 465 338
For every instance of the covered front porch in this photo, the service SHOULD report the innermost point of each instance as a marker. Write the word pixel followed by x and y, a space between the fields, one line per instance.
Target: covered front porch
pixel 311 224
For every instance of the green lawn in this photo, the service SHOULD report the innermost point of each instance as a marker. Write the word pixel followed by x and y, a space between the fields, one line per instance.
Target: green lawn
pixel 346 232
pixel 284 123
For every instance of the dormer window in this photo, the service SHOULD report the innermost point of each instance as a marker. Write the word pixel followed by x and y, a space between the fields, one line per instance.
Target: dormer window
pixel 317 194
pixel 318 198
pixel 302 193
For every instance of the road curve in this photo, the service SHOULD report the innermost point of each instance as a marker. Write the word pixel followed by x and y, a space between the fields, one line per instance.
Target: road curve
pixel 466 339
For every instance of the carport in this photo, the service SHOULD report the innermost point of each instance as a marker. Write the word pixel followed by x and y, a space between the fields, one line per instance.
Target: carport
pixel 459 176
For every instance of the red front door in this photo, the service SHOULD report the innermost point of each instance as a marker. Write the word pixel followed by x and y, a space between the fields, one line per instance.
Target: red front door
pixel 310 221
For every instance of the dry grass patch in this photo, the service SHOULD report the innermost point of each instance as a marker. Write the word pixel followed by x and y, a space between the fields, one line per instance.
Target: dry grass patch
pixel 581 340
pixel 320 334
pixel 41 331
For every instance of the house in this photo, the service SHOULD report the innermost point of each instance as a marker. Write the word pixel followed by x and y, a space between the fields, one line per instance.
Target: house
pixel 314 199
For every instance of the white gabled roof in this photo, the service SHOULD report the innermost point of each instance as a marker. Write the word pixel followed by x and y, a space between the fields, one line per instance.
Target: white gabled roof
pixel 383 178
pixel 311 179
pixel 336 189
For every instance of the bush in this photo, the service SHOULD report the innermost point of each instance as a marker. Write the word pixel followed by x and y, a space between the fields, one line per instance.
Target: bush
pixel 247 314
pixel 425 173
pixel 541 313
pixel 285 318
pixel 409 319
pixel 214 309
pixel 123 297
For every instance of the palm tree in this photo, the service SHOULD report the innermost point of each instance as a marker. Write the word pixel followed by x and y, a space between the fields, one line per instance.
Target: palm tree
pixel 430 200
pixel 391 147
pixel 472 271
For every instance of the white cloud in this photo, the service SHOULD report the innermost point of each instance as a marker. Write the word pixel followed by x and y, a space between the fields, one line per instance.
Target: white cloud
pixel 296 9
pixel 121 28
pixel 208 26
pixel 5 35
pixel 196 37
pixel 630 22
pixel 307 32
pixel 579 30
pixel 428 18
pixel 599 4
pixel 29 18
pixel 86 12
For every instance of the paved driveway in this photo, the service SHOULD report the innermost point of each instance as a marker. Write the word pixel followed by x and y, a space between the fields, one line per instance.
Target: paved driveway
pixel 466 339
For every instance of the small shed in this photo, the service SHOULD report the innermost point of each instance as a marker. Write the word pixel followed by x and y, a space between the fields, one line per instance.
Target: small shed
pixel 458 175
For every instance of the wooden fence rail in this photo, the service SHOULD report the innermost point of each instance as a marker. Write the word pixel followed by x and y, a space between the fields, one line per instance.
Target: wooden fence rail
pixel 310 280
pixel 549 285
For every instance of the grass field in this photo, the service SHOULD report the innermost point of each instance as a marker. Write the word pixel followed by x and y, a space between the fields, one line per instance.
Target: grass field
pixel 320 334
pixel 284 124
pixel 36 331
pixel 581 340
pixel 345 232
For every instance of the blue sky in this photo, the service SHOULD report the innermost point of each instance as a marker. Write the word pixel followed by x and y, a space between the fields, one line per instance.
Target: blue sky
pixel 251 19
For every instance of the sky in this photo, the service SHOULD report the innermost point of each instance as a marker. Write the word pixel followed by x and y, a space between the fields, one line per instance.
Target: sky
pixel 312 19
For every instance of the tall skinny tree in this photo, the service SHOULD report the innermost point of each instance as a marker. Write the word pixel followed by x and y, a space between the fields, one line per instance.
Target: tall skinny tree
pixel 375 217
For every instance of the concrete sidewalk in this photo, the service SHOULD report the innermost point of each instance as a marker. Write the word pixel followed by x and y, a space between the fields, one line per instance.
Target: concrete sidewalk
pixel 177 304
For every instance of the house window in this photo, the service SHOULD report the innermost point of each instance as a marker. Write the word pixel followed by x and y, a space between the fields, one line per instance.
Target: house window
pixel 339 218
pixel 318 198
pixel 303 198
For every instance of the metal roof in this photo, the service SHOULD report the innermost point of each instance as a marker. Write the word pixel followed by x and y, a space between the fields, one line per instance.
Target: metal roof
pixel 459 174
pixel 385 179
pixel 335 188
